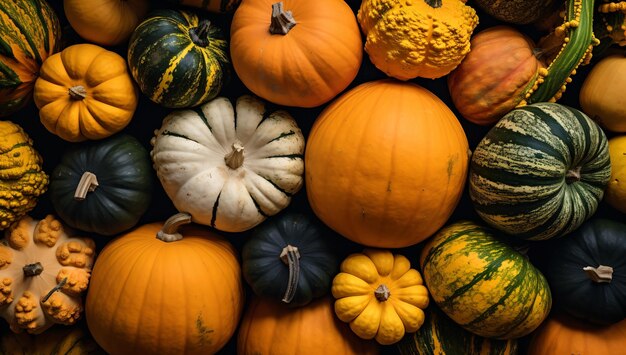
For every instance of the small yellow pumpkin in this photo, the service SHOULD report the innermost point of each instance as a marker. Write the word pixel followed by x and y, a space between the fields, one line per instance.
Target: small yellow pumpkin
pixel 44 269
pixel 85 92
pixel 615 193
pixel 380 295
pixel 416 38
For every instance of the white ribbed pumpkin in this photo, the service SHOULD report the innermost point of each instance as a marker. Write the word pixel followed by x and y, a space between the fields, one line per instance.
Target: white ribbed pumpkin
pixel 230 168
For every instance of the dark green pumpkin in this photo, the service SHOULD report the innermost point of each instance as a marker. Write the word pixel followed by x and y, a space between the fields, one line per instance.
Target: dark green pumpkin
pixel 442 336
pixel 178 59
pixel 540 172
pixel 29 33
pixel 579 285
pixel 123 193
pixel 293 280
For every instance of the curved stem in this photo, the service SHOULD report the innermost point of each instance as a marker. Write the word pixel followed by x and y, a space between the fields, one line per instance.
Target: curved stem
pixel 234 159
pixel 282 21
pixel 54 289
pixel 33 269
pixel 169 231
pixel 77 92
pixel 600 274
pixel 200 35
pixel 88 183
pixel 382 293
pixel 291 257
pixel 573 175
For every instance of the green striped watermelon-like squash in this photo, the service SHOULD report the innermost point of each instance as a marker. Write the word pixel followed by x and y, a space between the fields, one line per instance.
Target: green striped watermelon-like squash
pixel 483 284
pixel 540 172
pixel 29 33
pixel 217 6
pixel 178 59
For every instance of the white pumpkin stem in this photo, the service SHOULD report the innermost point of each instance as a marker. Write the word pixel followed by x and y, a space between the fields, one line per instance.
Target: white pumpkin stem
pixel 169 231
pixel 600 274
pixel 382 293
pixel 88 183
pixel 573 175
pixel 291 257
pixel 234 159
pixel 54 289
pixel 282 21
pixel 77 92
pixel 33 269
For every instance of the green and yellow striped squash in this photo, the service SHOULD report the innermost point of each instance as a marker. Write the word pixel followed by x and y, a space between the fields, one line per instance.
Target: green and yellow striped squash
pixel 217 6
pixel 29 33
pixel 178 59
pixel 540 172
pixel 440 335
pixel 483 284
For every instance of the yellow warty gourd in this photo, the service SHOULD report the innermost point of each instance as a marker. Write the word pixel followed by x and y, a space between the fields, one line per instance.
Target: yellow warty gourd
pixel 417 38
pixel 22 179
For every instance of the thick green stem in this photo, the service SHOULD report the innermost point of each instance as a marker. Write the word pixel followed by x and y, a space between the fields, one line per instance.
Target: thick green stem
pixel 291 257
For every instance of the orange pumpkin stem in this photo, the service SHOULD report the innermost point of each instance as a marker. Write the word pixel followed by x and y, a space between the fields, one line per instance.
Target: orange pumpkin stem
pixel 600 274
pixel 33 269
pixel 291 257
pixel 282 21
pixel 200 35
pixel 572 175
pixel 169 231
pixel 77 92
pixel 88 183
pixel 382 293
pixel 234 159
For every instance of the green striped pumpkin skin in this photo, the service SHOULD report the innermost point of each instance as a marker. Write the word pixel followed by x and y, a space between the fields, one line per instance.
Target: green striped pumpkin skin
pixel 440 335
pixel 216 6
pixel 483 284
pixel 170 68
pixel 29 33
pixel 518 172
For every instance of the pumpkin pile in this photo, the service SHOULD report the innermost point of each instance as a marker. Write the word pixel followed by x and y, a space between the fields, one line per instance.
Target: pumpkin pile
pixel 313 177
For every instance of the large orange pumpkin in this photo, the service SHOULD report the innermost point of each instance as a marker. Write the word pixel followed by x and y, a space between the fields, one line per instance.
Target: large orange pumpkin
pixel 295 52
pixel 153 291
pixel 270 328
pixel 386 164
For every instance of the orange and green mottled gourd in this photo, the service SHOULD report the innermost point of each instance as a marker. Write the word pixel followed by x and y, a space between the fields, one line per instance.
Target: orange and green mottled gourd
pixel 380 295
pixel 386 164
pixel 483 284
pixel 602 93
pixel 165 288
pixel 29 33
pixel 44 270
pixel 416 38
pixel 495 76
pixel 271 328
pixel 22 179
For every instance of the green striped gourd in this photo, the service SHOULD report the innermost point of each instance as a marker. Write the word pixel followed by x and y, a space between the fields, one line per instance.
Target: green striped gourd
pixel 217 6
pixel 540 172
pixel 483 284
pixel 441 336
pixel 29 33
pixel 178 59
pixel 229 167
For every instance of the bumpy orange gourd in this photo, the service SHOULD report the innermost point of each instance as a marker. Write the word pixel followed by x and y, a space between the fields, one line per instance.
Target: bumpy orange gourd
pixel 295 52
pixel 85 92
pixel 602 93
pixel 386 164
pixel 416 38
pixel 157 291
pixel 44 269
pixel 270 328
pixel 105 22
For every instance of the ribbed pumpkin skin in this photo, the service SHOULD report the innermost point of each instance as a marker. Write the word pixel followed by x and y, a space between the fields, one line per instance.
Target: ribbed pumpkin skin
pixel 562 334
pixel 169 67
pixel 270 328
pixel 597 242
pixel 516 11
pixel 268 275
pixel 125 180
pixel 518 171
pixel 494 76
pixel 147 296
pixel 600 96
pixel 440 335
pixel 483 284
pixel 386 164
pixel 29 33
pixel 217 6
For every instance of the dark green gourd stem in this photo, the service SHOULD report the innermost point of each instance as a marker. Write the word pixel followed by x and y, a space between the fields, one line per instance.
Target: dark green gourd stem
pixel 282 21
pixel 435 4
pixel 291 257
pixel 200 35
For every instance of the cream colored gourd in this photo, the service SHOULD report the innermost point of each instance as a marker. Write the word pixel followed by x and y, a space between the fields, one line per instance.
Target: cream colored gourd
pixel 229 167
pixel 44 269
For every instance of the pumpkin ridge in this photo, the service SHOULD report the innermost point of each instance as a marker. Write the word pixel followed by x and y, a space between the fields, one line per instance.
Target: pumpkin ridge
pixel 556 128
pixel 34 53
pixel 468 230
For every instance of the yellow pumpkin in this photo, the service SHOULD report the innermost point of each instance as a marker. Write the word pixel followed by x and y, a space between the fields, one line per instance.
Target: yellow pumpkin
pixel 615 193
pixel 44 269
pixel 380 295
pixel 602 93
pixel 105 22
pixel 85 92
pixel 416 38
